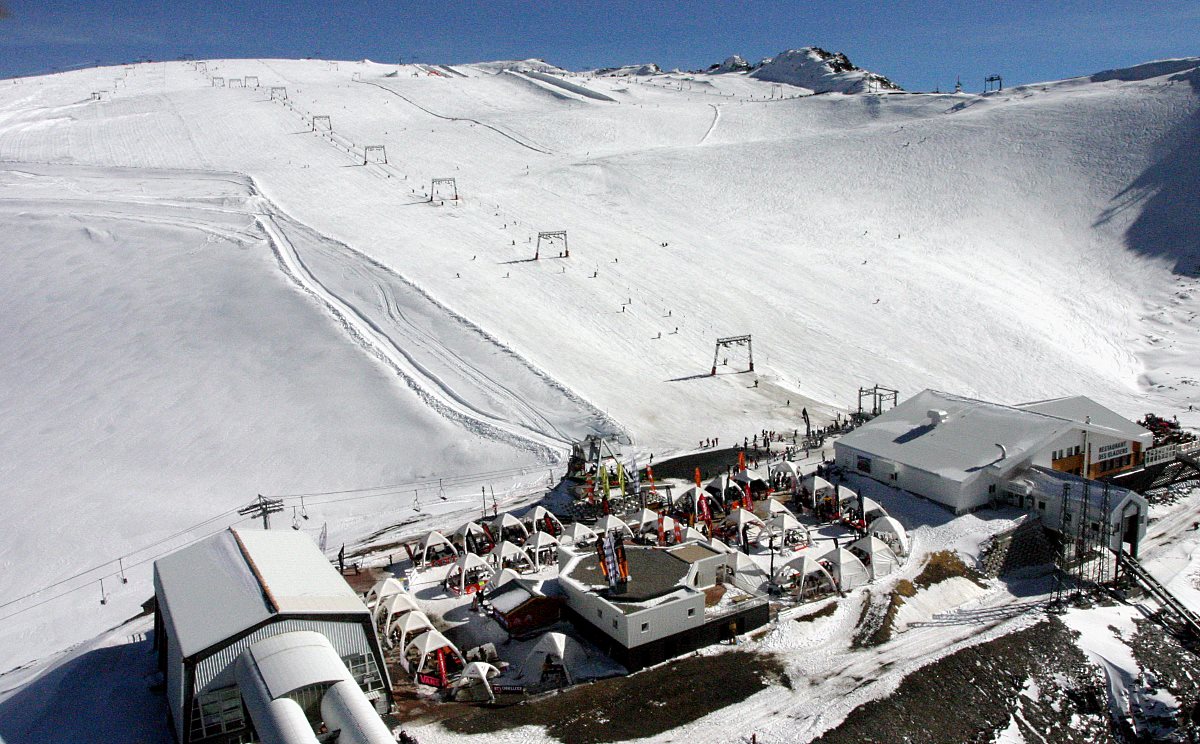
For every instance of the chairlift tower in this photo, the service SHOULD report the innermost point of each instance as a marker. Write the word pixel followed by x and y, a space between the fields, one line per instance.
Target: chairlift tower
pixel 732 341
pixel 374 154
pixel 236 83
pixel 264 508
pixel 251 81
pixel 879 397
pixel 993 84
pixel 218 82
pixel 322 124
pixel 550 236
pixel 278 93
pixel 444 182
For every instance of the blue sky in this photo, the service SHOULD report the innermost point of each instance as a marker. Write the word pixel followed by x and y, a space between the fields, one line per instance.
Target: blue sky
pixel 920 45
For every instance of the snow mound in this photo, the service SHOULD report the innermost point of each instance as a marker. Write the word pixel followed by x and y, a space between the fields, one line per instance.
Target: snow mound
pixel 819 71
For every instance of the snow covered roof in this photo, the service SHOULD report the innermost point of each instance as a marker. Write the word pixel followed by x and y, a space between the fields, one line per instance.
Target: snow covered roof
pixel 235 579
pixel 964 441
pixel 1080 409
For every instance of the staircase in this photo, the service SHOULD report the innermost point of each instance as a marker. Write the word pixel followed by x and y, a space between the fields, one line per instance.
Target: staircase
pixel 1172 607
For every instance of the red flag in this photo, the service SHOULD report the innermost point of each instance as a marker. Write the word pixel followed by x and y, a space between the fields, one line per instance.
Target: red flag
pixel 697 477
pixel 748 502
pixel 441 662
pixel 742 460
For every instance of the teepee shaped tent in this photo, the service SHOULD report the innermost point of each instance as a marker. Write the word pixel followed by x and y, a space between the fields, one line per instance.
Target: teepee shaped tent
pixel 405 628
pixel 553 649
pixel 435 548
pixel 876 556
pixel 807 576
pixel 395 604
pixel 507 555
pixel 609 523
pixel 846 569
pixel 578 534
pixel 891 532
pixel 469 571
pixel 383 589
pixel 539 519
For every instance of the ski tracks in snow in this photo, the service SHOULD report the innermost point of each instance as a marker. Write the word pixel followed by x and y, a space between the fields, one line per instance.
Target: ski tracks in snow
pixel 472 379
pixel 713 126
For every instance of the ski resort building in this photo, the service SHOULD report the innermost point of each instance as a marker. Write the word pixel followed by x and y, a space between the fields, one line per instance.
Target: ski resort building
pixel 260 639
pixel 677 599
pixel 962 452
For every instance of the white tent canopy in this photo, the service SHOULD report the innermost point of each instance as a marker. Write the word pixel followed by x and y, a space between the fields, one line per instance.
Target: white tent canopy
pixel 554 648
pixel 395 604
pixel 691 495
pixel 578 533
pixel 507 555
pixel 471 532
pixel 748 476
pixel 775 506
pixel 383 589
pixel 536 518
pixel 642 518
pixel 785 467
pixel 891 532
pixel 432 542
pixel 846 569
pixel 871 510
pixel 476 675
pixel 504 522
pixel 876 556
pixel 742 517
pixel 609 523
pixel 543 547
pixel 817 485
pixel 469 568
pixel 423 646
pixel 406 627
pixel 805 573
pixel 691 533
pixel 499 579
pixel 846 497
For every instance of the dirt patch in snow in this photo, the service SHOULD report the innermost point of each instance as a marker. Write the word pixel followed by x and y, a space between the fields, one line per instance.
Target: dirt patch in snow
pixel 942 565
pixel 645 704
pixel 1037 677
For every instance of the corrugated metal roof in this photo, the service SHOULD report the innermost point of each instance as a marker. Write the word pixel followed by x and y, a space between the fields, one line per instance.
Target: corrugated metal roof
pixel 348 639
pixel 213 593
pixel 1080 408
pixel 963 443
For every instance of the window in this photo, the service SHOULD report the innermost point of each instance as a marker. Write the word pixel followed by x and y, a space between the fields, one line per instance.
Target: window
pixel 599 613
pixel 864 464
pixel 691 612
pixel 364 671
pixel 645 627
pixel 1041 506
pixel 614 623
pixel 992 488
pixel 217 712
pixel 892 476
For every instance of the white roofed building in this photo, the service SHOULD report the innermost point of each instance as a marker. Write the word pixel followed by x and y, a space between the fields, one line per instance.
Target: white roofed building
pixel 220 596
pixel 961 452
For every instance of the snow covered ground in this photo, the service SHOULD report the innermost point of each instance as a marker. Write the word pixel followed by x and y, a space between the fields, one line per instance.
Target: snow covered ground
pixel 205 299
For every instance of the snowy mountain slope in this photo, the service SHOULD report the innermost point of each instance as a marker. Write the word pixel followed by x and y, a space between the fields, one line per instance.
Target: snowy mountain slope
pixel 1015 246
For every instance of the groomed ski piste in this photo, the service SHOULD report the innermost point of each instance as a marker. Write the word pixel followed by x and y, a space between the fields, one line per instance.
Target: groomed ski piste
pixel 207 296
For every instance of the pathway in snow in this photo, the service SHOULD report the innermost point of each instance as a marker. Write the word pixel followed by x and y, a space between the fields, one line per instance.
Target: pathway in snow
pixel 711 127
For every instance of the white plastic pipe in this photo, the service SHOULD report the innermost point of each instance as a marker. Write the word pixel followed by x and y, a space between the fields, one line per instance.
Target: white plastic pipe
pixel 345 708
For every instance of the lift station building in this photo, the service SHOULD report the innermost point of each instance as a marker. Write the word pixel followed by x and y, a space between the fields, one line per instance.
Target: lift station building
pixel 260 639
pixel 962 452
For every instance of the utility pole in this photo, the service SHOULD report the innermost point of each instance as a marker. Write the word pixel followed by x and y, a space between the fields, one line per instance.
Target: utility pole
pixel 262 507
